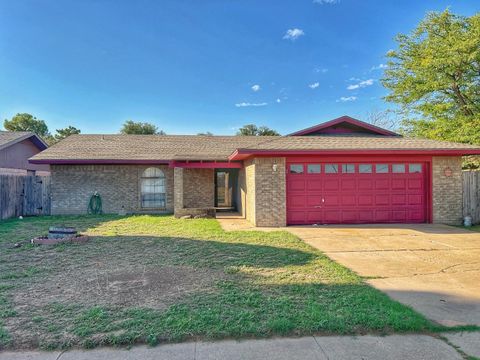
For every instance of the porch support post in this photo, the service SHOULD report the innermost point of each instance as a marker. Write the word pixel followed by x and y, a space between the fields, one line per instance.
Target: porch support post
pixel 177 189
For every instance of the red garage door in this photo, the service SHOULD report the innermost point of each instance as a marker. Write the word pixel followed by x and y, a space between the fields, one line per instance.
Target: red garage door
pixel 350 193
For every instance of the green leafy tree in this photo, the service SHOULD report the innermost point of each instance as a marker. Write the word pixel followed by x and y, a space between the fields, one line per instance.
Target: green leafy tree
pixel 140 128
pixel 66 132
pixel 253 130
pixel 434 77
pixel 208 133
pixel 27 122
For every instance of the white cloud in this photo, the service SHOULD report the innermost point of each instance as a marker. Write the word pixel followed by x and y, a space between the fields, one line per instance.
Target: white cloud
pixel 293 34
pixel 361 84
pixel 278 100
pixel 247 104
pixel 322 2
pixel 314 85
pixel 379 67
pixel 256 87
pixel 347 98
pixel 320 70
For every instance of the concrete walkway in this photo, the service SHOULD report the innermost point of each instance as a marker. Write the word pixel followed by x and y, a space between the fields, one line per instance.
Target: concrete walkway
pixel 403 347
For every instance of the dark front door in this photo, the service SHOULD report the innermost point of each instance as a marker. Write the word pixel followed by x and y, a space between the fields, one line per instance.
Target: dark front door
pixel 225 188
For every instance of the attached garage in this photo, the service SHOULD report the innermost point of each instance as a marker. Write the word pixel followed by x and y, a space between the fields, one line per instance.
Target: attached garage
pixel 366 190
pixel 346 171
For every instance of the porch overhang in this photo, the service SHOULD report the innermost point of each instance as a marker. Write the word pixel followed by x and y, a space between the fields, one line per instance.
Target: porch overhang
pixel 206 164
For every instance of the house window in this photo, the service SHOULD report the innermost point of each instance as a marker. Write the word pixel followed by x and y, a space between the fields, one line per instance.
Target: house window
pixel 153 189
pixel 348 168
pixel 414 168
pixel 313 168
pixel 296 169
pixel 398 168
pixel 331 169
pixel 381 168
pixel 365 168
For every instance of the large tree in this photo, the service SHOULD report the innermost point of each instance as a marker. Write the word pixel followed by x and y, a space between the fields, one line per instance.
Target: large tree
pixel 253 130
pixel 434 77
pixel 27 122
pixel 140 128
pixel 66 132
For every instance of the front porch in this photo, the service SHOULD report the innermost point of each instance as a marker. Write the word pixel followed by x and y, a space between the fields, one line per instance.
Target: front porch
pixel 202 191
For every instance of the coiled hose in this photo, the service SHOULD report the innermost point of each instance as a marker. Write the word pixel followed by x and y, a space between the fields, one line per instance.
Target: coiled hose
pixel 95 204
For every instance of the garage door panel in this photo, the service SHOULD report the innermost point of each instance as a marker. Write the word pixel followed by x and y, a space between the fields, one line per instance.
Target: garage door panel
pixel 382 199
pixel 415 184
pixel 382 215
pixel 332 216
pixel 331 184
pixel 399 199
pixel 365 200
pixel 349 216
pixel 353 197
pixel 314 216
pixel 314 200
pixel 382 184
pixel 365 184
pixel 296 201
pixel 331 199
pixel 314 184
pixel 296 184
pixel 415 199
pixel 296 217
pixel 366 216
pixel 349 200
pixel 399 184
pixel 349 184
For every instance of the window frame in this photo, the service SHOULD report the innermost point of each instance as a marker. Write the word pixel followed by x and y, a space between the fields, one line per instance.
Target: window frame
pixel 296 173
pixel 365 172
pixel 314 172
pixel 329 172
pixel 153 182
pixel 382 172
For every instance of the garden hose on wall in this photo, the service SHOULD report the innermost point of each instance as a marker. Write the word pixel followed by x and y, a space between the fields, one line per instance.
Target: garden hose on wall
pixel 95 204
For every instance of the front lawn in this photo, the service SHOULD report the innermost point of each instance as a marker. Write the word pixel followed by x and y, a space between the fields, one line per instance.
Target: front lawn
pixel 155 278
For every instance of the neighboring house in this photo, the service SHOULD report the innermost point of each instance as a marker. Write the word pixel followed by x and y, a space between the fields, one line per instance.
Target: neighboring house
pixel 16 147
pixel 341 171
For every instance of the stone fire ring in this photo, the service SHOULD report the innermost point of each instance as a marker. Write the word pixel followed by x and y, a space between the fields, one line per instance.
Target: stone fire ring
pixel 43 240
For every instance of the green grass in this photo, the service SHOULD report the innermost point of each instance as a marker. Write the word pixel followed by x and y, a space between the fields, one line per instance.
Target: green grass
pixel 201 282
pixel 475 228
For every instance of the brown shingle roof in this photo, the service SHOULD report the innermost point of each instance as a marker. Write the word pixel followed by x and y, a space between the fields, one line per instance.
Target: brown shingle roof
pixel 192 147
pixel 356 143
pixel 147 147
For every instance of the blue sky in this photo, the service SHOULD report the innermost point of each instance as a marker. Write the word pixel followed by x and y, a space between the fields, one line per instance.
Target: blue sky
pixel 195 66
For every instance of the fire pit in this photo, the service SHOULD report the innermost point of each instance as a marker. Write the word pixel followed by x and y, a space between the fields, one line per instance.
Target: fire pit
pixel 59 235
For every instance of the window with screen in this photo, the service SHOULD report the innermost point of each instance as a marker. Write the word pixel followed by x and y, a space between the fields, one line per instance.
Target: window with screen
pixel 153 189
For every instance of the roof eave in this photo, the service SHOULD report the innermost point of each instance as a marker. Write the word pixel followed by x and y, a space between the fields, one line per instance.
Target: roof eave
pixel 96 161
pixel 242 154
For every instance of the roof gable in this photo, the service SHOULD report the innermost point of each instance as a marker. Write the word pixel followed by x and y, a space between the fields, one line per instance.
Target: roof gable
pixel 344 125
pixel 9 138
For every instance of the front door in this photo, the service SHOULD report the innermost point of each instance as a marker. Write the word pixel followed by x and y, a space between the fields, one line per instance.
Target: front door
pixel 225 188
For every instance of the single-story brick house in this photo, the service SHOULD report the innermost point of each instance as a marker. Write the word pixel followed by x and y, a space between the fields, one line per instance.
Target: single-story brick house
pixel 341 171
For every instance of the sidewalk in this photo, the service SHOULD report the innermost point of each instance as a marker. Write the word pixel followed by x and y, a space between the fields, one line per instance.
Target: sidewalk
pixel 403 347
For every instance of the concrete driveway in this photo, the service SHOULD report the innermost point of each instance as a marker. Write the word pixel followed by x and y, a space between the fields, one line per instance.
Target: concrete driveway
pixel 433 268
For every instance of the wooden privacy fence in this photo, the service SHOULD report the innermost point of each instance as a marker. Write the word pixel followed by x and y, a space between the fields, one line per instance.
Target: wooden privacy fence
pixel 471 195
pixel 24 195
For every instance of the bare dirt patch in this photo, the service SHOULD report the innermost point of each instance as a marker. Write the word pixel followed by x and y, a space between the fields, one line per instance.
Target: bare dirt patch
pixel 137 286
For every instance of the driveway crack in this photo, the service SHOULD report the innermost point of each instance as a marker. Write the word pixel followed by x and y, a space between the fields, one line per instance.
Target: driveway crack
pixel 320 347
